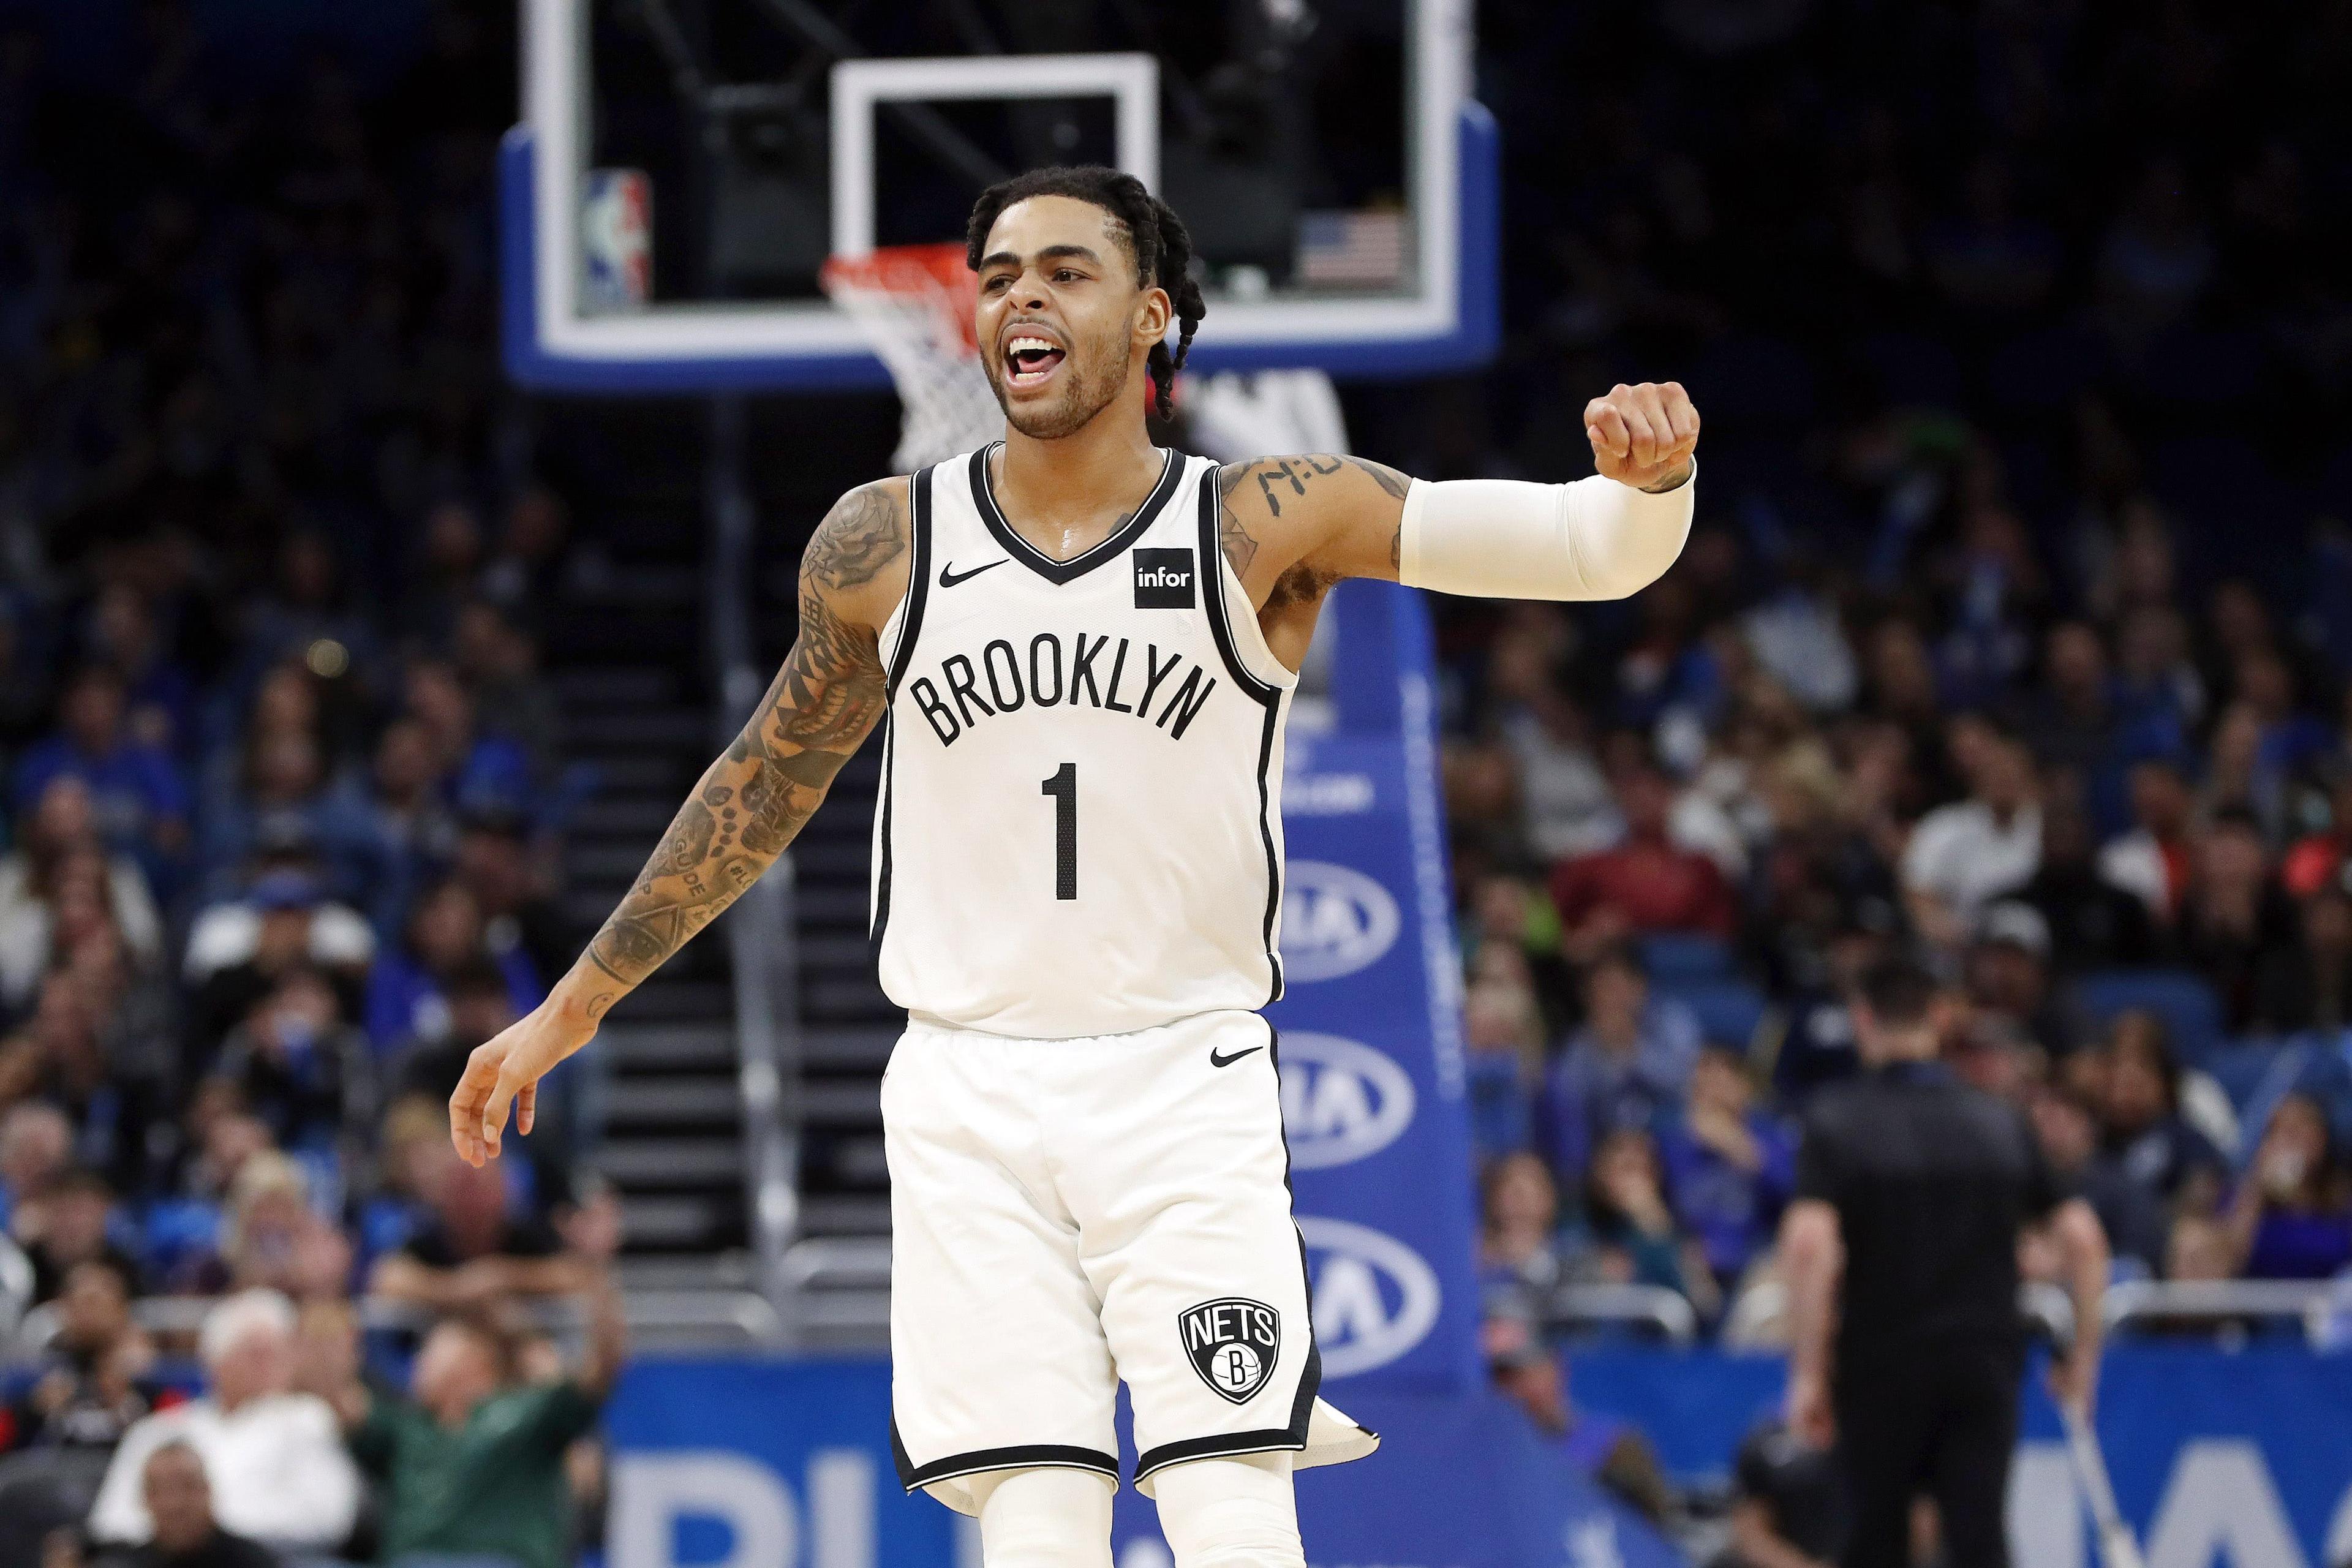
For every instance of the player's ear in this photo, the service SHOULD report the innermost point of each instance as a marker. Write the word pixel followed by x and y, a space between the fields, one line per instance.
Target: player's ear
pixel 1153 311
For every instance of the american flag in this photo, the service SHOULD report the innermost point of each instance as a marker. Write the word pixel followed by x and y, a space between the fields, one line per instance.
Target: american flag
pixel 1351 250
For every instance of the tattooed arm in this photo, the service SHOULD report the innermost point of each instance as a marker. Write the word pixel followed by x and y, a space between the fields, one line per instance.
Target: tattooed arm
pixel 1292 527
pixel 746 808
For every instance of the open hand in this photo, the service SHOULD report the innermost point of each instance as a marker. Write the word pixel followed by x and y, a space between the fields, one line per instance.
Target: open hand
pixel 1643 436
pixel 504 1073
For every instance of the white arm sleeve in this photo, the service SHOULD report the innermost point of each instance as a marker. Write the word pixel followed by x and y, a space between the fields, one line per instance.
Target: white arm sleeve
pixel 1505 538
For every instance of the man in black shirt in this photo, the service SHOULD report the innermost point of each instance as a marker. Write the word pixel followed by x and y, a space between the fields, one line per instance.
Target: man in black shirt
pixel 1912 1189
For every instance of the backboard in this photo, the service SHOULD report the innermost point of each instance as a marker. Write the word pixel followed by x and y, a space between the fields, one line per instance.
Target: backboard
pixel 685 166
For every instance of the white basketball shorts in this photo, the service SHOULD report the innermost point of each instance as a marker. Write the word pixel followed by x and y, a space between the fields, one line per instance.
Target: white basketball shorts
pixel 1068 1213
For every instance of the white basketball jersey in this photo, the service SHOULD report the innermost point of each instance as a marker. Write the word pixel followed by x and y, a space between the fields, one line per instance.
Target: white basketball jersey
pixel 1079 831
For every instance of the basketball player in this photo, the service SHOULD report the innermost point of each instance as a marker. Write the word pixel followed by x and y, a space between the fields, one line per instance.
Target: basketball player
pixel 1081 649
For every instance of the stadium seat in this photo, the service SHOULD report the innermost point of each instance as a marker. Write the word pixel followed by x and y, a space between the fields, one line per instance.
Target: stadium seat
pixel 1673 959
pixel 2191 1012
pixel 1728 1011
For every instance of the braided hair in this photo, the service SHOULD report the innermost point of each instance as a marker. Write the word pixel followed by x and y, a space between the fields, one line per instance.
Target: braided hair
pixel 1155 240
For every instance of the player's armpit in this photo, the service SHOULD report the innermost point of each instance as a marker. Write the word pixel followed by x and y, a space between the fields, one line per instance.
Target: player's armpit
pixel 1294 526
pixel 823 704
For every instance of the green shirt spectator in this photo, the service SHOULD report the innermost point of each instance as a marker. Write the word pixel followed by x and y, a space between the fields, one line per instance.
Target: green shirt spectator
pixel 491 1487
pixel 472 1462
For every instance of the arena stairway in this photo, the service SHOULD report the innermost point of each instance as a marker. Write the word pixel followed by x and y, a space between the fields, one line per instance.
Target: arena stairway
pixel 631 659
pixel 626 652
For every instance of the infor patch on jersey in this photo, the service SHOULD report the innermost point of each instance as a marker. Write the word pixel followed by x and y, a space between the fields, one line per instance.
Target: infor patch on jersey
pixel 1233 1342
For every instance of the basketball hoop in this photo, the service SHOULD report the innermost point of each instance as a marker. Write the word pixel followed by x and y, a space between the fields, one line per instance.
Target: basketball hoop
pixel 914 305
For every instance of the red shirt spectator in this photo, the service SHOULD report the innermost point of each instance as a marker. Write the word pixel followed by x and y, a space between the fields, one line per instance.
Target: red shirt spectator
pixel 1646 884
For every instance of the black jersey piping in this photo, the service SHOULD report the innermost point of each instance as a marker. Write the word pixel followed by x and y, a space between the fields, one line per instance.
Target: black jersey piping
pixel 1212 595
pixel 983 500
pixel 1023 1455
pixel 910 626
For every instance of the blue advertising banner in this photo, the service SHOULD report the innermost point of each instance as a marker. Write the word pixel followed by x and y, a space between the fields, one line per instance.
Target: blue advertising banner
pixel 775 1463
pixel 1371 1047
pixel 2240 1458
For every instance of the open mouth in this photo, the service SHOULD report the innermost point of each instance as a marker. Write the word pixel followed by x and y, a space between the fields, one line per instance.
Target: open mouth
pixel 1029 359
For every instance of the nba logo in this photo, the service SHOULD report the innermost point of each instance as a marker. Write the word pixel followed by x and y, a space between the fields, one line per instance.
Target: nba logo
pixel 616 228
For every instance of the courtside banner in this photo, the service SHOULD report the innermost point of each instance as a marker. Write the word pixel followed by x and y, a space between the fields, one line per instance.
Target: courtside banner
pixel 729 1462
pixel 1370 1018
pixel 2220 1459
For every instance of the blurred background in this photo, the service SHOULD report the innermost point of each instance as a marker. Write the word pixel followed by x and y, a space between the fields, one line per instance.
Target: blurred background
pixel 343 688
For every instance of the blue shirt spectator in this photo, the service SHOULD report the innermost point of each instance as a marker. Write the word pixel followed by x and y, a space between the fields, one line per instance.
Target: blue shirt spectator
pixel 1626 1068
pixel 1729 1166
pixel 140 800
pixel 407 997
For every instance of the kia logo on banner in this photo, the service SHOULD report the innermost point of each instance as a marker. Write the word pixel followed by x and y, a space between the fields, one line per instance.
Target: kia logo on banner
pixel 1374 1298
pixel 1334 921
pixel 1340 1100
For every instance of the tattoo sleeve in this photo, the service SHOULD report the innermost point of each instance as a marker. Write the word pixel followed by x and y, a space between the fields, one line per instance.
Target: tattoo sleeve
pixel 749 802
pixel 1275 481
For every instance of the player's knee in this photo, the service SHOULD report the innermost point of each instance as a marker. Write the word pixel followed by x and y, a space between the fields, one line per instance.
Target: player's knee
pixel 1232 1512
pixel 1044 1519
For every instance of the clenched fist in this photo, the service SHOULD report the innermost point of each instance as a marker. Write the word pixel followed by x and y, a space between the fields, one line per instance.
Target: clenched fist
pixel 1643 436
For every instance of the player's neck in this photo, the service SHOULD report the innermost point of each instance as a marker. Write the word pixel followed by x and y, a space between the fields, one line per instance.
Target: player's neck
pixel 1083 481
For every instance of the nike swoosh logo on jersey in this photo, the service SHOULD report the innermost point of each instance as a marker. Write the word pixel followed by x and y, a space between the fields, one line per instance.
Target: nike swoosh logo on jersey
pixel 1221 1061
pixel 949 576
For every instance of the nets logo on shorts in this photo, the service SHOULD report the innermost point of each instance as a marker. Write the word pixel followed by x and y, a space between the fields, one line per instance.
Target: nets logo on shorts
pixel 1233 1342
pixel 1163 579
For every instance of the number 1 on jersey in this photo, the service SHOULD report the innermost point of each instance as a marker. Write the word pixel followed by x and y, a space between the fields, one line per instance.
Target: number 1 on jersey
pixel 1064 787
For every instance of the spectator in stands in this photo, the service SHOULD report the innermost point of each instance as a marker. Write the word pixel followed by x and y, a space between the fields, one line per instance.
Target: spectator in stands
pixel 2309 985
pixel 159 694
pixel 407 999
pixel 2141 1127
pixel 1518 1249
pixel 280 795
pixel 1964 856
pixel 178 1497
pixel 2234 914
pixel 306 608
pixel 2290 1217
pixel 522 576
pixel 67 1225
pixel 1628 1236
pixel 35 1149
pixel 402 828
pixel 92 1382
pixel 2157 859
pixel 1728 1164
pixel 2131 1213
pixel 477 1244
pixel 238 952
pixel 60 860
pixel 448 544
pixel 480 1004
pixel 279 1471
pixel 473 772
pixel 2092 923
pixel 1569 808
pixel 1646 883
pixel 139 799
pixel 1628 1064
pixel 273 1239
pixel 500 665
pixel 473 1462
pixel 2008 975
pixel 496 864
pixel 1502 1041
pixel 299 1066
pixel 1788 1504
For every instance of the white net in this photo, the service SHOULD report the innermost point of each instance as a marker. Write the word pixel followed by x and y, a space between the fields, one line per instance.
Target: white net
pixel 914 303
